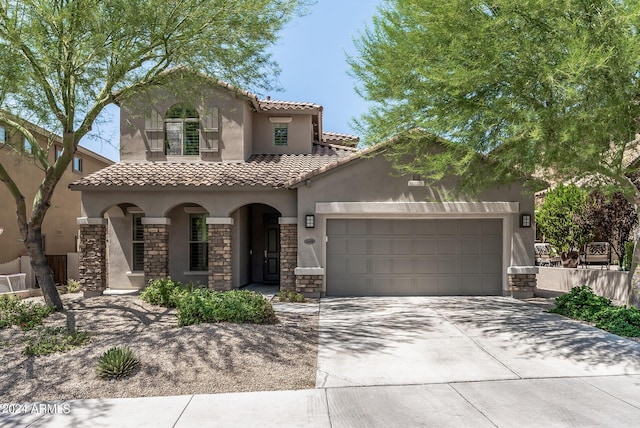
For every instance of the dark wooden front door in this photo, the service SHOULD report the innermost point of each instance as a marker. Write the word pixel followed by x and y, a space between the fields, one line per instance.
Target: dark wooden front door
pixel 271 271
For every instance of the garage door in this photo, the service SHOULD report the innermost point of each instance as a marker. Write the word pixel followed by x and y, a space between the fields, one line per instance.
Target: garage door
pixel 414 257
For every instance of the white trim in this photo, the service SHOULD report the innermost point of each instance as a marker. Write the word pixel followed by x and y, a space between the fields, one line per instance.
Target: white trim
pixel 280 119
pixel 135 273
pixel 522 270
pixel 135 210
pixel 219 220
pixel 195 210
pixel 417 208
pixel 195 272
pixel 156 220
pixel 308 271
pixel 91 220
pixel 416 183
pixel 287 220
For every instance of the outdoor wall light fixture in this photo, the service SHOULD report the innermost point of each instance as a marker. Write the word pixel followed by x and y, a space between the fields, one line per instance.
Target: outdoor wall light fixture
pixel 525 220
pixel 310 221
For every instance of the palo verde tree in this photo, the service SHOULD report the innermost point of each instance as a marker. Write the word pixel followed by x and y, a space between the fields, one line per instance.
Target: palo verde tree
pixel 514 87
pixel 63 61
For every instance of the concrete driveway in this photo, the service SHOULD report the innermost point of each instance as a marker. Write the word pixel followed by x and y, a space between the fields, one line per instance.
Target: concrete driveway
pixel 476 361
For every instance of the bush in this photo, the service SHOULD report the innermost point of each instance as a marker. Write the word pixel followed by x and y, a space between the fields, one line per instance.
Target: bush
pixel 117 362
pixel 628 255
pixel 73 286
pixel 290 296
pixel 581 303
pixel 203 305
pixel 26 315
pixel 164 292
pixel 50 340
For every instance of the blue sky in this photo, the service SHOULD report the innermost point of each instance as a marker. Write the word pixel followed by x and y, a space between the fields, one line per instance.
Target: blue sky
pixel 312 55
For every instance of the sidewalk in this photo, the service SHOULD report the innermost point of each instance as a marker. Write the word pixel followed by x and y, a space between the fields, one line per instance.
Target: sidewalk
pixel 609 401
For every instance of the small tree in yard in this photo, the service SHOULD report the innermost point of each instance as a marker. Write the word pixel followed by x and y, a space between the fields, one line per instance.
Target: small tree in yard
pixel 611 217
pixel 558 220
pixel 63 61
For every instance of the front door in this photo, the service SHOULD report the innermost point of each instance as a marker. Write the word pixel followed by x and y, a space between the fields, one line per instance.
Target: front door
pixel 271 271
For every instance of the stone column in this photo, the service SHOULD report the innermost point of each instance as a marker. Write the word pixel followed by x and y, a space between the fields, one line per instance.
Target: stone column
pixel 92 267
pixel 156 248
pixel 309 281
pixel 522 281
pixel 288 252
pixel 220 256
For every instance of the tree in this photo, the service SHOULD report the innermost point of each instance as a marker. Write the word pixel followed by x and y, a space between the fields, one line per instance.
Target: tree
pixel 611 217
pixel 525 86
pixel 558 221
pixel 63 61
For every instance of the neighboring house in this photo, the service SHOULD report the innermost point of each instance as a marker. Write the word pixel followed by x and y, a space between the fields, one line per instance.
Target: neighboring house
pixel 219 187
pixel 60 228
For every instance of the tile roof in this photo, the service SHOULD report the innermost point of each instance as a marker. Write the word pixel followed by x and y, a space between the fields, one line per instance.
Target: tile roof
pixel 267 105
pixel 269 170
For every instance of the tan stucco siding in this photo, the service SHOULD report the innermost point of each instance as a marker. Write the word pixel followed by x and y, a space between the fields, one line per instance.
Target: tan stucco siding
pixel 300 134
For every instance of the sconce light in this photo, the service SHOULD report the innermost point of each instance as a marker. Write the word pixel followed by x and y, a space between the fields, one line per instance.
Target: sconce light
pixel 310 221
pixel 525 220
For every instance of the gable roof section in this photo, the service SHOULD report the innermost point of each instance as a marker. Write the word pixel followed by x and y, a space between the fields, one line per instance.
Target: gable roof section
pixel 271 171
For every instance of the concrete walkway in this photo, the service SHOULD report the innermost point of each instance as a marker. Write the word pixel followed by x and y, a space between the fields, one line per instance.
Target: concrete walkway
pixel 415 361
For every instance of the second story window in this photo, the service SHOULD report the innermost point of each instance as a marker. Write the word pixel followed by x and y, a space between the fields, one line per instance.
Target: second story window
pixel 3 135
pixel 77 164
pixel 182 131
pixel 58 152
pixel 27 147
pixel 280 134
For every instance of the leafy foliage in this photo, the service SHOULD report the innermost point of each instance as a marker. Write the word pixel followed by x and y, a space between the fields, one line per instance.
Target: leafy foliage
pixel 557 218
pixel 583 304
pixel 527 86
pixel 27 315
pixel 290 296
pixel 611 217
pixel 49 340
pixel 239 306
pixel 164 292
pixel 117 362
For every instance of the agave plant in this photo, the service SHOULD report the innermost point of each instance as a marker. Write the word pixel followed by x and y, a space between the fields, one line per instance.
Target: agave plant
pixel 117 362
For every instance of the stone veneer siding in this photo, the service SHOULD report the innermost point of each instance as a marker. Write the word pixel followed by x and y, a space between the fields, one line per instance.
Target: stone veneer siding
pixel 522 284
pixel 93 258
pixel 288 255
pixel 156 251
pixel 220 257
pixel 309 285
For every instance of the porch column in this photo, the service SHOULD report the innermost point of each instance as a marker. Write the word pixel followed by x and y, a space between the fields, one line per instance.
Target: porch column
pixel 220 257
pixel 156 247
pixel 288 252
pixel 522 281
pixel 92 266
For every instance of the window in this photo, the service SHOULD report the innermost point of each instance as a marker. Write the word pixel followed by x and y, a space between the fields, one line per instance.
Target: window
pixel 58 152
pixel 27 146
pixel 182 131
pixel 3 135
pixel 280 133
pixel 77 164
pixel 198 243
pixel 137 262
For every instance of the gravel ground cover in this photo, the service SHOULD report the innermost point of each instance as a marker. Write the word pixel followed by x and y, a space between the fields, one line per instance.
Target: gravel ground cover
pixel 198 359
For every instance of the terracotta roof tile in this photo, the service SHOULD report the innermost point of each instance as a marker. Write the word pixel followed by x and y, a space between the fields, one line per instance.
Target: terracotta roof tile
pixel 268 170
pixel 267 105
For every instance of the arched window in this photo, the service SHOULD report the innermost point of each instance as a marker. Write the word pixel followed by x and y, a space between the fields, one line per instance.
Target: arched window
pixel 182 130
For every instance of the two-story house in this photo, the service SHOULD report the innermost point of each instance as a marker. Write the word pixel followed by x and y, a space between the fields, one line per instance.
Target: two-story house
pixel 60 228
pixel 219 187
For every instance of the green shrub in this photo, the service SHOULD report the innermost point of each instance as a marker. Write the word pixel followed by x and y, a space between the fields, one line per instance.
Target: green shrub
pixel 619 320
pixel 26 315
pixel 73 286
pixel 290 296
pixel 164 292
pixel 117 362
pixel 50 340
pixel 628 255
pixel 203 305
pixel 580 303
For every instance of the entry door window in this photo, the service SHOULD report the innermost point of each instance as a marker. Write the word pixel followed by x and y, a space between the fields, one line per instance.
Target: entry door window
pixel 137 263
pixel 198 243
pixel 182 131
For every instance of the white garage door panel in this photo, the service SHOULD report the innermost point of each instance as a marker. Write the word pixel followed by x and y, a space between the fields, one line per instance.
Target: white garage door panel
pixel 414 257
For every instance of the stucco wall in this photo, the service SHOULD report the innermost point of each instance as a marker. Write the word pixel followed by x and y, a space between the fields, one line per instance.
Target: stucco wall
pixel 373 180
pixel 59 228
pixel 300 134
pixel 611 284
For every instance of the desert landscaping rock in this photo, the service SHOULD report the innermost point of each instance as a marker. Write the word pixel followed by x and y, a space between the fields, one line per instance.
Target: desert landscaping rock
pixel 198 359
